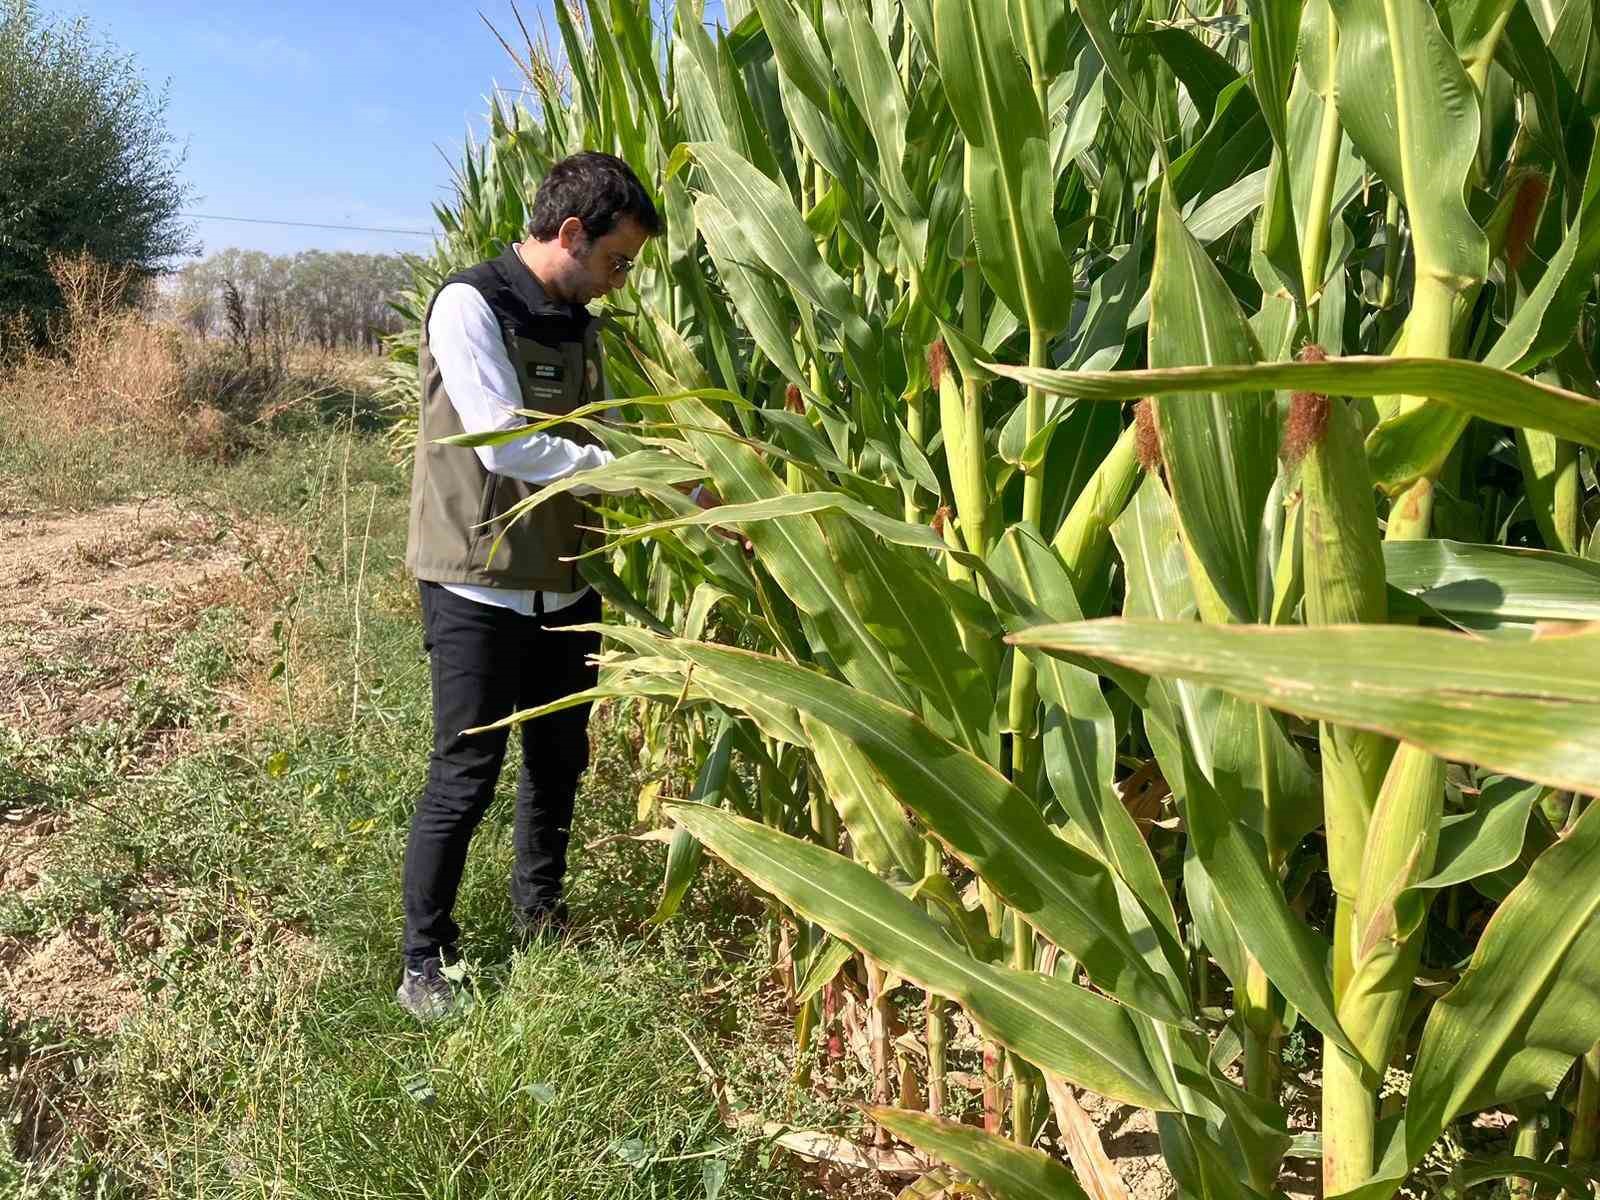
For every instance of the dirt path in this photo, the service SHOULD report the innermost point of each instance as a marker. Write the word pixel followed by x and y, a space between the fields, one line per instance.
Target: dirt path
pixel 88 600
pixel 82 593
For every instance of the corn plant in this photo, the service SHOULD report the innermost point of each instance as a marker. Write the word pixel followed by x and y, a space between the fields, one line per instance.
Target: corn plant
pixel 1326 585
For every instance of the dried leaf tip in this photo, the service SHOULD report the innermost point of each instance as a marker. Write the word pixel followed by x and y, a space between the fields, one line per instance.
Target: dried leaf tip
pixel 1146 437
pixel 1308 414
pixel 793 400
pixel 938 361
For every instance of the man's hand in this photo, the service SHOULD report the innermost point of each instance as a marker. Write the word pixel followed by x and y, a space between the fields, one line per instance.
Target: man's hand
pixel 706 498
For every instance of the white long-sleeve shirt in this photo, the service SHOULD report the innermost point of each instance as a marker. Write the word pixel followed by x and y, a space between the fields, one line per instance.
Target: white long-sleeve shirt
pixel 465 341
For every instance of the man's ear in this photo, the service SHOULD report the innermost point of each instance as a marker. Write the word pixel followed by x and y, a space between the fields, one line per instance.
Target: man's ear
pixel 571 235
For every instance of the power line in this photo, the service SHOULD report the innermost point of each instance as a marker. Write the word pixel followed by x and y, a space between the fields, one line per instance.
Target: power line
pixel 307 224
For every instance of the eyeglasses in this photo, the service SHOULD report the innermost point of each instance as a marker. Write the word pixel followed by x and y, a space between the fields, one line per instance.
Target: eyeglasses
pixel 620 266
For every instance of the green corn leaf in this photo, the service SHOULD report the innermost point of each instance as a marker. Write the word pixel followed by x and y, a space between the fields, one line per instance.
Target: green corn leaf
pixel 1491 588
pixel 1096 18
pixel 597 573
pixel 1006 1170
pixel 1202 71
pixel 1487 839
pixel 684 854
pixel 823 965
pixel 1008 173
pixel 906 602
pixel 762 305
pixel 1070 896
pixel 1235 144
pixel 1411 111
pixel 1527 1004
pixel 1274 33
pixel 1066 1029
pixel 794 552
pixel 1530 709
pixel 1220 451
pixel 1472 388
pixel 1159 586
pixel 879 832
pixel 1574 1180
pixel 1546 320
pixel 1246 887
pixel 778 234
pixel 1078 731
pixel 870 78
pixel 1043 32
pixel 1550 472
pixel 798 49
pixel 817 134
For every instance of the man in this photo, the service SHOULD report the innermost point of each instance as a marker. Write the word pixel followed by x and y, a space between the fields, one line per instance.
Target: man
pixel 507 334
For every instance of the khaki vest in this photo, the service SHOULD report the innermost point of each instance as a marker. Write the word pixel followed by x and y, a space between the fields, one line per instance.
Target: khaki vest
pixel 457 531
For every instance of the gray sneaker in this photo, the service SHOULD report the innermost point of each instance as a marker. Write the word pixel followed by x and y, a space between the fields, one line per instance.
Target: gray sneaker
pixel 429 993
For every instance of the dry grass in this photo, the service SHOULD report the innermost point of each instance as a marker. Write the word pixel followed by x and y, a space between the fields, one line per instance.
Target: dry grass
pixel 118 385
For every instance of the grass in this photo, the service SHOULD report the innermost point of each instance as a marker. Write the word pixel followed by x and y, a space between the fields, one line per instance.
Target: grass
pixel 227 842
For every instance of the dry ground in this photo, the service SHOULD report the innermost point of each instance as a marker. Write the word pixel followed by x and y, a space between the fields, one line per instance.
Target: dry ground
pixel 87 600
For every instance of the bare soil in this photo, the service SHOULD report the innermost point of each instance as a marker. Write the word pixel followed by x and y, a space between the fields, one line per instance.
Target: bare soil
pixel 79 590
pixel 74 979
pixel 86 601
pixel 1129 1138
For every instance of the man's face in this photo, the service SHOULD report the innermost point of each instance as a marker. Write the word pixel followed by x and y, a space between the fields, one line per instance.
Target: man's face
pixel 596 267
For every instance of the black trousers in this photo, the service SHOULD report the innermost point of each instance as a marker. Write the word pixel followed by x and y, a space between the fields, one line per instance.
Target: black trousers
pixel 487 663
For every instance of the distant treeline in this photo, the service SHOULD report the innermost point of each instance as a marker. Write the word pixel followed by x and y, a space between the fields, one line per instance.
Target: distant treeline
pixel 332 299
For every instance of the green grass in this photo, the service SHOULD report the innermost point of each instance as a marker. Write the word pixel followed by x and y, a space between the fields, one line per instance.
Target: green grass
pixel 242 862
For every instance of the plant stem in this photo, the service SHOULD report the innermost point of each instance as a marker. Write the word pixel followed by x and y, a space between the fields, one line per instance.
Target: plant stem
pixel 933 862
pixel 1586 1118
pixel 878 1040
pixel 1427 336
pixel 1530 1133
pixel 1021 1073
pixel 914 427
pixel 1349 1105
pixel 1024 687
pixel 1391 249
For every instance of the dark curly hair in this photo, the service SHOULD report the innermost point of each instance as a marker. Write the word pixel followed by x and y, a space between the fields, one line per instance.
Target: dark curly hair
pixel 599 189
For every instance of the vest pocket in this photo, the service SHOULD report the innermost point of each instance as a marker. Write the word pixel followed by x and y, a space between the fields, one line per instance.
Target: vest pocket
pixel 486 509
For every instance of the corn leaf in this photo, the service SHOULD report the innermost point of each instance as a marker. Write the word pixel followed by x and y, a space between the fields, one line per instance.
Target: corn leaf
pixel 1526 1005
pixel 1473 388
pixel 684 854
pixel 1067 1029
pixel 1219 450
pixel 1009 179
pixel 794 552
pixel 1078 730
pixel 1411 111
pixel 1530 709
pixel 1070 896
pixel 1495 587
pixel 879 832
pixel 1487 839
pixel 1008 1171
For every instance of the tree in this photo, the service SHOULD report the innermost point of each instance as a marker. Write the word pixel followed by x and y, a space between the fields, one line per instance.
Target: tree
pixel 87 164
pixel 329 298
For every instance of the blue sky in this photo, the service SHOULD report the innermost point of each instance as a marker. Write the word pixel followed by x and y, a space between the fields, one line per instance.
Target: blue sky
pixel 331 112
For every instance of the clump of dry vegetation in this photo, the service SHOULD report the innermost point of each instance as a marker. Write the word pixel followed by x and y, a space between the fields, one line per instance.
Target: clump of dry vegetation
pixel 119 382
